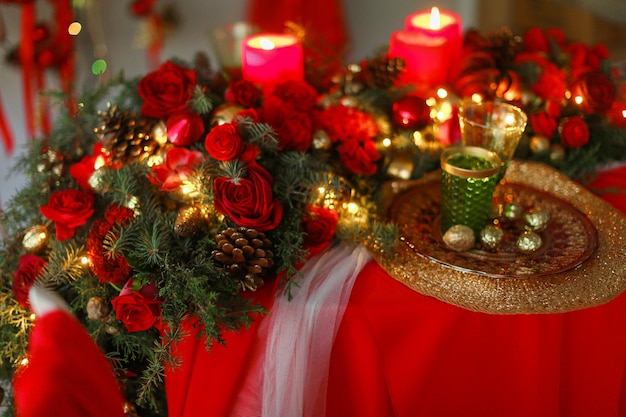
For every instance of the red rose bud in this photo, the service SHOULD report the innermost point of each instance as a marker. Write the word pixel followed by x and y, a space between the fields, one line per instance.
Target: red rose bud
pixel 574 132
pixel 28 268
pixel 166 90
pixel 184 128
pixel 68 209
pixel 224 142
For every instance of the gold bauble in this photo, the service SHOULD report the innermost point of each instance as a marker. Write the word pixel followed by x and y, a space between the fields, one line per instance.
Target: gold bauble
pixel 321 140
pixel 459 238
pixel 529 242
pixel 557 152
pixel 35 239
pixel 225 113
pixel 400 166
pixel 513 211
pixel 537 220
pixel 491 236
pixel 97 309
pixel 539 144
pixel 189 221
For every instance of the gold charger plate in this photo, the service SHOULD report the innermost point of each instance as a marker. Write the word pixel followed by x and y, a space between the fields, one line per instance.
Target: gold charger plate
pixel 581 264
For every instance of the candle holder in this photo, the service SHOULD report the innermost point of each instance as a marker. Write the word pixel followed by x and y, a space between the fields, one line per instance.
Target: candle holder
pixel 492 125
pixel 226 41
pixel 468 179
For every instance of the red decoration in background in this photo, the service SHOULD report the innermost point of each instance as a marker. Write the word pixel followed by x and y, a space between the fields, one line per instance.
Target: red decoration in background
pixel 410 112
pixel 322 20
pixel 41 47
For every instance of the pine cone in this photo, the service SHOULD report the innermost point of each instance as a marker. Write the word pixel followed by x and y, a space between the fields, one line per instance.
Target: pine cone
pixel 382 71
pixel 245 254
pixel 504 47
pixel 128 137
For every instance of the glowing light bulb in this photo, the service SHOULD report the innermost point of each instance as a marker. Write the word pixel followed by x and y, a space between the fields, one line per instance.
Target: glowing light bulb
pixel 24 362
pixel 74 28
pixel 353 208
pixel 578 99
pixel 476 98
pixel 442 93
pixel 386 142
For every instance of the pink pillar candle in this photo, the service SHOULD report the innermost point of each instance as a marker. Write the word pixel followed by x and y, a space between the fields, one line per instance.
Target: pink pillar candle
pixel 269 59
pixel 429 44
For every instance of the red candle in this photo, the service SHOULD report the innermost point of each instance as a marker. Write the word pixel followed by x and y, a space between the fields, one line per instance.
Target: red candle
pixel 269 59
pixel 429 44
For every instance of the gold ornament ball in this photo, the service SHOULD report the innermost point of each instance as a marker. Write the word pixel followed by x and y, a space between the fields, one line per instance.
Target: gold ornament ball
pixel 539 144
pixel 320 140
pixel 97 309
pixel 513 211
pixel 557 152
pixel 459 238
pixel 401 166
pixel 189 221
pixel 537 220
pixel 491 236
pixel 225 113
pixel 35 239
pixel 529 242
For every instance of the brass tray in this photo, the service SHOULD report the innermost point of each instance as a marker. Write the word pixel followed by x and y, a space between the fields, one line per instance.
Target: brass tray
pixel 582 262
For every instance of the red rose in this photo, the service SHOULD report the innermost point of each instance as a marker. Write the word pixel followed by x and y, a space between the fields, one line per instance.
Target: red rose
pixel 319 224
pixel 574 132
pixel 68 209
pixel 543 124
pixel 243 92
pixel 224 142
pixel 298 93
pixel 249 201
pixel 108 267
pixel 293 127
pixel 184 127
pixel 597 91
pixel 359 156
pixel 138 310
pixel 28 268
pixel 166 90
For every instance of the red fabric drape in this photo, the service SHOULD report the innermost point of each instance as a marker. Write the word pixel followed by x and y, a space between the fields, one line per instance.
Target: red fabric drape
pixel 400 353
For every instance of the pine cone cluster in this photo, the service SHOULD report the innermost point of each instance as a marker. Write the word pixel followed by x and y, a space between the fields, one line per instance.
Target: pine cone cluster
pixel 129 137
pixel 382 71
pixel 246 254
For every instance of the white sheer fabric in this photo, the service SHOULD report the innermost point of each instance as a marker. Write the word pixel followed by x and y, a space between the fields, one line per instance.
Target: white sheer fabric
pixel 290 374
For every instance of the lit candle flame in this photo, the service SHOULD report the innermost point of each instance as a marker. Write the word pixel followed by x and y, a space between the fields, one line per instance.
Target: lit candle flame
pixel 266 44
pixel 435 19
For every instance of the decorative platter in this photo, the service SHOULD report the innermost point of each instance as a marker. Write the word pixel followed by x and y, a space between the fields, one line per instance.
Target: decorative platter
pixel 581 262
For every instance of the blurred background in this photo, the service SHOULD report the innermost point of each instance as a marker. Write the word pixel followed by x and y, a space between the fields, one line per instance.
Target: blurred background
pixel 112 31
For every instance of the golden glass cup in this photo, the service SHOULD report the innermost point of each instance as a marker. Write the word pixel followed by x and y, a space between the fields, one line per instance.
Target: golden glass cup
pixel 492 125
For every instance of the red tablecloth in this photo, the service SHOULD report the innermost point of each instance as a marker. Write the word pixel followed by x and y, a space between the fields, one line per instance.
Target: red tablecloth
pixel 400 353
